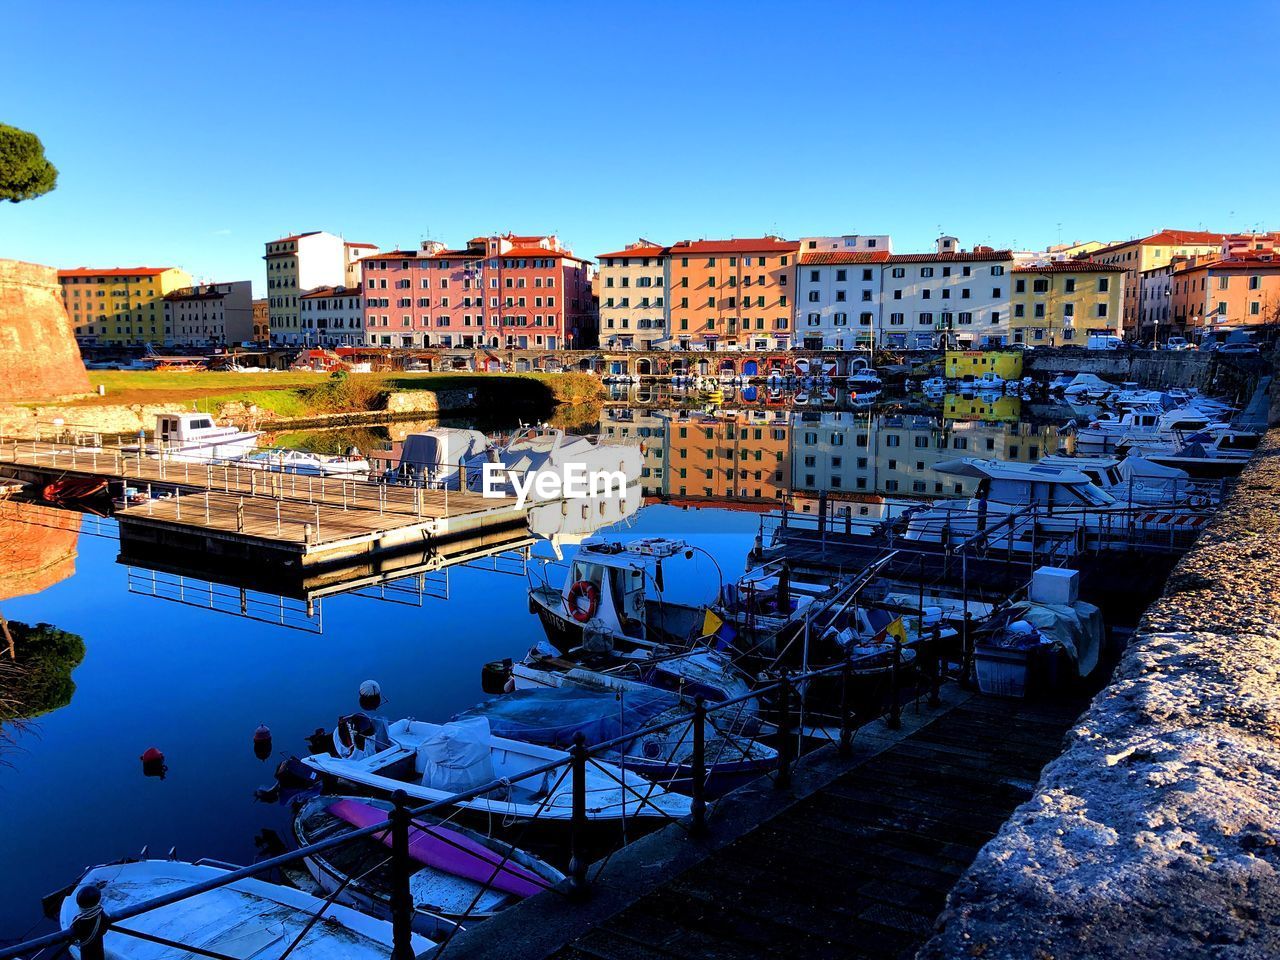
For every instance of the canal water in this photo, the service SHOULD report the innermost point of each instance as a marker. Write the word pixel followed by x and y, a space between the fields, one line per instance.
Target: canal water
pixel 177 662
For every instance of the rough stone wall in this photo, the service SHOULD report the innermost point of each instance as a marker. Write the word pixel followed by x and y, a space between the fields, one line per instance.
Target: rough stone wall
pixel 1157 833
pixel 39 358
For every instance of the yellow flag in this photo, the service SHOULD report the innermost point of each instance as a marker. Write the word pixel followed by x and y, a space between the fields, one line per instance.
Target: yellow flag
pixel 711 623
pixel 897 629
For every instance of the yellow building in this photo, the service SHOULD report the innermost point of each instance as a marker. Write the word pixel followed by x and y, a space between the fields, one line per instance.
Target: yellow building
pixel 632 288
pixel 1136 256
pixel 1058 303
pixel 1005 364
pixel 122 305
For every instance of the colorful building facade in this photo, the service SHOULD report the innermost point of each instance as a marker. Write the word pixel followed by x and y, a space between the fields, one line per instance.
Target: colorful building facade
pixel 1137 256
pixel 632 290
pixel 739 454
pixel 1060 302
pixel 120 305
pixel 526 292
pixel 732 293
pixel 838 297
pixel 333 316
pixel 1213 292
pixel 302 262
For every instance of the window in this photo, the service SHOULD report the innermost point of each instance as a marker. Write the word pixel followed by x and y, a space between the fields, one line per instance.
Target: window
pixel 1104 284
pixel 1255 282
pixel 997 271
pixel 926 271
pixel 1102 309
pixel 898 273
pixel 1070 284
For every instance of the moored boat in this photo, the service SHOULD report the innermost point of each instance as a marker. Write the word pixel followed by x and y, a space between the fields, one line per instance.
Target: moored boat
pixel 246 918
pixel 459 874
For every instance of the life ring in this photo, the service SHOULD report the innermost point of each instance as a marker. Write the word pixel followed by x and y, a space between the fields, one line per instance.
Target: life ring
pixel 583 589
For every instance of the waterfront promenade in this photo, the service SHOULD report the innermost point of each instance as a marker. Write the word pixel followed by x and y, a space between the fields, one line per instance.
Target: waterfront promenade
pixel 854 859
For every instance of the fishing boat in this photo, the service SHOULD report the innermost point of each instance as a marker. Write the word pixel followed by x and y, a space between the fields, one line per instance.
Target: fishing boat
pixel 432 762
pixel 554 716
pixel 459 874
pixel 246 918
pixel 307 464
pixel 195 437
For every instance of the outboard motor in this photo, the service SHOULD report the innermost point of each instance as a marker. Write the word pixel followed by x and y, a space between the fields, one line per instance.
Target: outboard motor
pixel 495 675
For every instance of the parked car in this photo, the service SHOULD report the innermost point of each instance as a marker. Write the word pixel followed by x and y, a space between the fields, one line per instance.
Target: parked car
pixel 1178 343
pixel 1240 349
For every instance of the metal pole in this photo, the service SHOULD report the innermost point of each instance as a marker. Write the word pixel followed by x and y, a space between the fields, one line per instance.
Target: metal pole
pixel 935 669
pixel 699 785
pixel 277 516
pixel 895 687
pixel 90 924
pixel 401 895
pixel 786 749
pixel 578 818
pixel 240 516
pixel 846 709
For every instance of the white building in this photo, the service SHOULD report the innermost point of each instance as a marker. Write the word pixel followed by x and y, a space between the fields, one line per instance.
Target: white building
pixel 838 298
pixel 848 243
pixel 208 314
pixel 303 262
pixel 963 295
pixel 632 287
pixel 333 317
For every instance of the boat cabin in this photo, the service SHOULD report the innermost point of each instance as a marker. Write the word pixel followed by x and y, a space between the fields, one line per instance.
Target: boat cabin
pixel 184 427
pixel 1024 484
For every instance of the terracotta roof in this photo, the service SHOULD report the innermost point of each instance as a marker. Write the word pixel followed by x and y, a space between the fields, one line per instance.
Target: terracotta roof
pixel 331 292
pixel 539 252
pixel 745 245
pixel 1234 263
pixel 369 246
pixel 1167 238
pixel 962 256
pixel 423 255
pixel 1069 266
pixel 296 236
pixel 651 250
pixel 844 256
pixel 114 272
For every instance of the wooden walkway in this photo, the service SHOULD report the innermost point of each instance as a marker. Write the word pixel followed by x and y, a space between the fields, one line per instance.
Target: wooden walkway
pixel 860 866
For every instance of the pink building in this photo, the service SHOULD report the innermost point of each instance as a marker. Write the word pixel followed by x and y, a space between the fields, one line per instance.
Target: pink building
pixel 501 291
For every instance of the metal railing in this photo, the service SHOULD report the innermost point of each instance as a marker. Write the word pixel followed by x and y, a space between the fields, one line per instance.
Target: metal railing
pixel 788 693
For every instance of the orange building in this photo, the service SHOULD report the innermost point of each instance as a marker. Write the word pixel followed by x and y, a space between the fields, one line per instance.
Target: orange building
pixel 1146 253
pixel 1214 291
pixel 742 454
pixel 732 292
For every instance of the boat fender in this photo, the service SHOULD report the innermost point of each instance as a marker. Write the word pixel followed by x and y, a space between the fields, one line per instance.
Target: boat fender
pixel 153 764
pixel 583 589
pixel 262 742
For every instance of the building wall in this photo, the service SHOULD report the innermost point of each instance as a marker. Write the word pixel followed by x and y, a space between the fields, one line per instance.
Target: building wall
pixel 1137 256
pixel 1060 303
pixel 632 286
pixel 217 313
pixel 740 454
pixel 838 298
pixel 649 429
pixel 39 359
pixel 428 297
pixel 261 321
pixel 333 316
pixel 920 290
pixel 733 292
pixel 295 265
pixel 1226 293
pixel 120 305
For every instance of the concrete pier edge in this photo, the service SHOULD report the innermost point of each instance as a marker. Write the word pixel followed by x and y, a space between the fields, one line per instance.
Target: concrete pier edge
pixel 1156 833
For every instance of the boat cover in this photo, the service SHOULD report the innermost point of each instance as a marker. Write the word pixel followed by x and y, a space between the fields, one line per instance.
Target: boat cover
pixel 553 716
pixel 456 757
pixel 1076 628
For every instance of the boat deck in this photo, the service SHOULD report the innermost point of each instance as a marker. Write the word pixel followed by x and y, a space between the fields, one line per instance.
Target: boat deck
pixel 855 860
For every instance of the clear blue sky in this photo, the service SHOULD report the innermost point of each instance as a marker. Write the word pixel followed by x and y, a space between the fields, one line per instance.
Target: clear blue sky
pixel 189 135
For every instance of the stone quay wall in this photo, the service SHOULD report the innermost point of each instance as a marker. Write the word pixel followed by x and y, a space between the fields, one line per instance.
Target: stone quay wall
pixel 1156 834
pixel 39 358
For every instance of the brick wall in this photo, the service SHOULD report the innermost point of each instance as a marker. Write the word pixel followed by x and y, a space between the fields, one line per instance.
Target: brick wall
pixel 39 358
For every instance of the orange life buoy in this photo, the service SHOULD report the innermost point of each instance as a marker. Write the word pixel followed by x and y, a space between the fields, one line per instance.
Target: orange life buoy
pixel 583 589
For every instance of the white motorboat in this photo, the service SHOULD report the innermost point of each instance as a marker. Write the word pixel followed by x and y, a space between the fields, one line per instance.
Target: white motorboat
pixel 546 450
pixel 437 457
pixel 866 380
pixel 247 918
pixel 1062 510
pixel 195 437
pixel 1146 423
pixel 1207 456
pixel 934 386
pixel 1137 480
pixel 1087 387
pixel 308 464
pixel 432 762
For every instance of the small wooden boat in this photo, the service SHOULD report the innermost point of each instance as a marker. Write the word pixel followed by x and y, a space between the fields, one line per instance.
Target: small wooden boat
pixel 71 489
pixel 461 875
pixel 433 762
pixel 247 918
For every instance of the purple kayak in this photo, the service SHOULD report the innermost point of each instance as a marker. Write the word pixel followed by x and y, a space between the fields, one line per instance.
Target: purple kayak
pixel 447 850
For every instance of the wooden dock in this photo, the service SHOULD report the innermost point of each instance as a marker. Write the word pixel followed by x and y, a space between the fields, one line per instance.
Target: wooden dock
pixel 252 514
pixel 854 860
